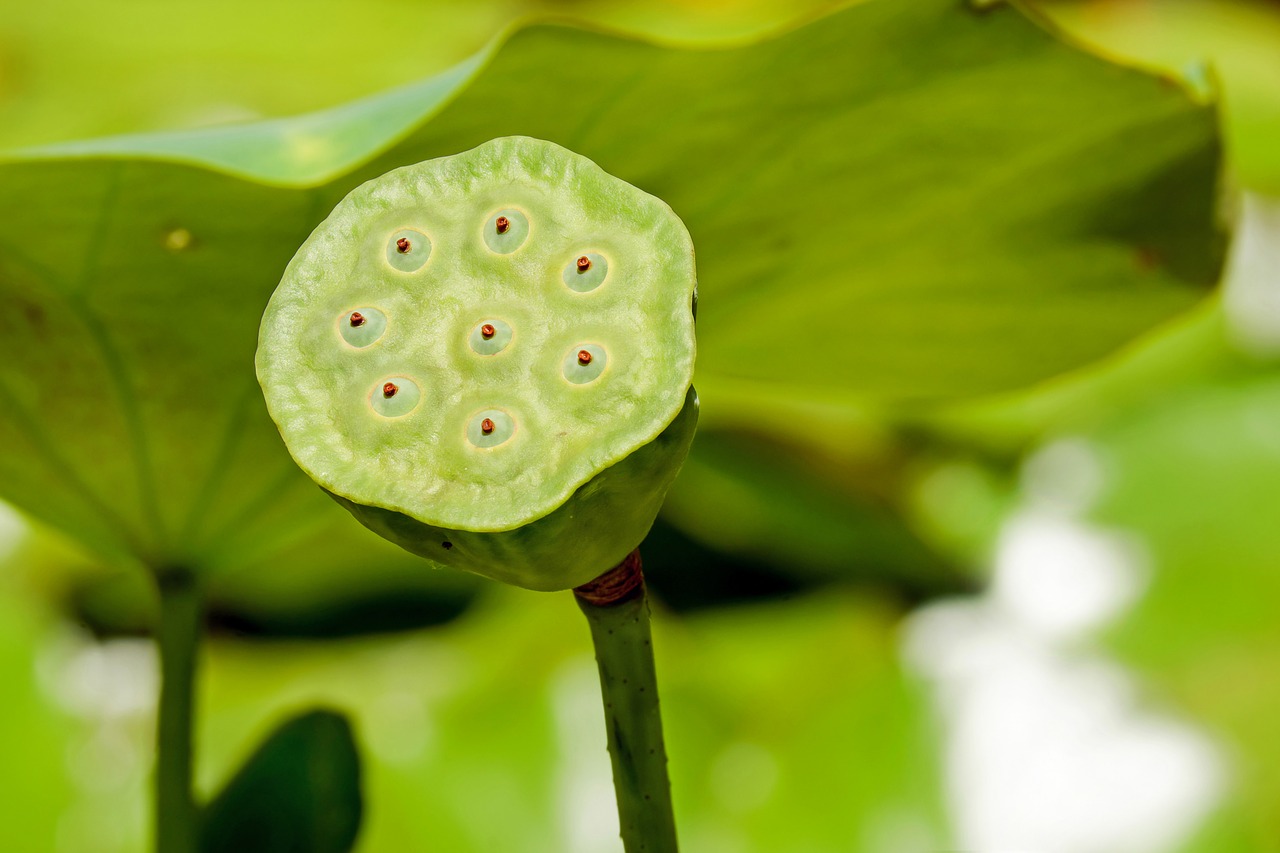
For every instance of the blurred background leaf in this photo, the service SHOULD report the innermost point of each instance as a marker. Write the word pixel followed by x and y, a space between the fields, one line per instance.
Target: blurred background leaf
pixel 792 722
pixel 299 792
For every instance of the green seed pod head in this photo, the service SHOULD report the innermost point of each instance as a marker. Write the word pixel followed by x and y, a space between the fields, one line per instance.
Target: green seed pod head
pixel 487 359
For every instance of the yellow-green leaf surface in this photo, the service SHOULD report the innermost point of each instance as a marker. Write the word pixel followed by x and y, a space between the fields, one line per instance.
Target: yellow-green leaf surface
pixel 1234 42
pixel 901 202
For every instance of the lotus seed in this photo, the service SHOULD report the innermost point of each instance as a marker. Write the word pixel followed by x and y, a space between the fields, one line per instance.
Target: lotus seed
pixel 507 231
pixel 394 398
pixel 490 428
pixel 408 250
pixel 490 337
pixel 584 363
pixel 363 327
pixel 586 273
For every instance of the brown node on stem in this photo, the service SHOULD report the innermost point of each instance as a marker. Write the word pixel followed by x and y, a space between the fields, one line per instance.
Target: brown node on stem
pixel 403 245
pixel 584 357
pixel 584 263
pixel 487 331
pixel 502 224
pixel 486 426
pixel 621 583
pixel 357 319
pixel 389 390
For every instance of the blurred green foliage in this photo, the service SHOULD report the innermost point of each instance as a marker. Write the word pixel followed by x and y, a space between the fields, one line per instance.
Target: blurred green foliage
pixel 792 724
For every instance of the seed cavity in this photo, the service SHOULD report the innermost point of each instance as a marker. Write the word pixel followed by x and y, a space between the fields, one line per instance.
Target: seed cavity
pixel 586 273
pixel 395 397
pixel 490 337
pixel 584 363
pixel 408 249
pixel 362 327
pixel 506 230
pixel 490 428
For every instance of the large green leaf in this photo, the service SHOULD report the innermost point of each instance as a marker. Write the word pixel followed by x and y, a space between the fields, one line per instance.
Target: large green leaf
pixel 1233 41
pixel 902 202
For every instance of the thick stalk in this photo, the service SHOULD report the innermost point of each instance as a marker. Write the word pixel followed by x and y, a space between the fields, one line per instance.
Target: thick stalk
pixel 178 636
pixel 618 613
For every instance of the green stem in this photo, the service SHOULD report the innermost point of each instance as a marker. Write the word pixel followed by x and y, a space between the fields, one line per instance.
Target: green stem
pixel 178 635
pixel 618 612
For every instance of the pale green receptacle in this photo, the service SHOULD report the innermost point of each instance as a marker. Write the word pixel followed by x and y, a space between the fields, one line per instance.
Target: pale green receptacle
pixel 516 399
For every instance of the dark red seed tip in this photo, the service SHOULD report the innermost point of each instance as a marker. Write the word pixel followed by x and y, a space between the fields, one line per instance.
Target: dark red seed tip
pixel 502 224
pixel 584 357
pixel 486 426
pixel 357 319
pixel 389 390
pixel 584 263
pixel 403 245
pixel 487 331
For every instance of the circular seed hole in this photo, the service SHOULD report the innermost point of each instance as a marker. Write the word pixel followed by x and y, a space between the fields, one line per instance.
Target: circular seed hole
pixel 584 363
pixel 490 428
pixel 585 272
pixel 490 337
pixel 506 230
pixel 362 327
pixel 408 249
pixel 395 396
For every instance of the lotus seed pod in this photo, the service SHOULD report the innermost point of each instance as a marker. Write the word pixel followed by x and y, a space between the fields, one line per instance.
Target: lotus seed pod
pixel 487 359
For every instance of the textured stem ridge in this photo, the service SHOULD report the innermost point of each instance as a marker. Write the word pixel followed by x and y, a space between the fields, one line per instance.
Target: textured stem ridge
pixel 618 613
pixel 178 634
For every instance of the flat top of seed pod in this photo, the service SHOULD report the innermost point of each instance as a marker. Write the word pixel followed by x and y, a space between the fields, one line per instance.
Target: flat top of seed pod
pixel 470 339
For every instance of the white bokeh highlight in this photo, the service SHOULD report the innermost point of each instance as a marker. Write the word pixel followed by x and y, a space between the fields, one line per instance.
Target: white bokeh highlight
pixel 1050 747
pixel 1252 288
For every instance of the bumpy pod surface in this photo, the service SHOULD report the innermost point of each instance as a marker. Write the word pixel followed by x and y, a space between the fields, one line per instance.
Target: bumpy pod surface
pixel 487 359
